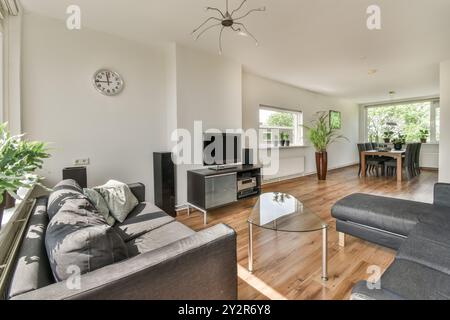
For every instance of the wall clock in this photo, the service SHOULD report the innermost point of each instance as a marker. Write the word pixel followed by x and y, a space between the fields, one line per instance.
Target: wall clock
pixel 108 82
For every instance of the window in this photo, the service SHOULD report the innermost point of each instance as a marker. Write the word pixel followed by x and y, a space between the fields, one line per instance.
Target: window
pixel 408 119
pixel 277 125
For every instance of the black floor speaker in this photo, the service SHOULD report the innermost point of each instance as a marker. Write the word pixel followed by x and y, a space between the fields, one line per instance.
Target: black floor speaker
pixel 79 174
pixel 164 177
pixel 248 157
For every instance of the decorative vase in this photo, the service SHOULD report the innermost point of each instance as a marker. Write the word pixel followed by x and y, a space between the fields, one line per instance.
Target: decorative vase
pixel 423 140
pixel 283 142
pixel 322 165
pixel 288 143
pixel 387 140
pixel 398 146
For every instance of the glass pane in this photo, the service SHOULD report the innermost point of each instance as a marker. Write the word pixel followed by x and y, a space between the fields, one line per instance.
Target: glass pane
pixel 276 119
pixel 405 120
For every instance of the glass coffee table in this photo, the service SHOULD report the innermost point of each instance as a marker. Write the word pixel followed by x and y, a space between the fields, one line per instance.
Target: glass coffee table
pixel 282 212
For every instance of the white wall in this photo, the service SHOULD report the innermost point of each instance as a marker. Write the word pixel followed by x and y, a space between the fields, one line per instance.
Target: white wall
pixel 60 104
pixel 257 91
pixel 444 152
pixel 209 89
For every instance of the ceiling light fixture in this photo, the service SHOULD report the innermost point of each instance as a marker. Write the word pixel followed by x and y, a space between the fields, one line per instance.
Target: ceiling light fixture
pixel 227 20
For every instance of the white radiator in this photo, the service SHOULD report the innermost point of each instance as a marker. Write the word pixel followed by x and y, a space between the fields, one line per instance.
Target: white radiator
pixel 289 167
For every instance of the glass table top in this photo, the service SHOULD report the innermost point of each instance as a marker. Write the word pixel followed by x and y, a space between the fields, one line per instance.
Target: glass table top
pixel 283 212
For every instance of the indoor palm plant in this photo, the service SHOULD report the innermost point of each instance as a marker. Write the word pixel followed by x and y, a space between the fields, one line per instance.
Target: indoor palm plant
pixel 19 159
pixel 321 135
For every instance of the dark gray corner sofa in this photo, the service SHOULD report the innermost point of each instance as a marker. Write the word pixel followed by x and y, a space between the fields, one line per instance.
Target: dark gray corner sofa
pixel 420 233
pixel 160 257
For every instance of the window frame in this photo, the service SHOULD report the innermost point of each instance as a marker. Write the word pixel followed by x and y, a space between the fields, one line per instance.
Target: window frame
pixel 297 129
pixel 434 105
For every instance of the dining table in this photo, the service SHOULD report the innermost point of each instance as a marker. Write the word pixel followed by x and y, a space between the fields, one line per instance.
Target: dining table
pixel 395 154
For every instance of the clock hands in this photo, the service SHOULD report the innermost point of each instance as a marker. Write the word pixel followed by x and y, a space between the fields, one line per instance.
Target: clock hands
pixel 107 78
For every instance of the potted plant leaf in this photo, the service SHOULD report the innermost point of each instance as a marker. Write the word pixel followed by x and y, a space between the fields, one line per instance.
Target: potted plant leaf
pixel 387 136
pixel 19 159
pixel 424 134
pixel 321 135
pixel 399 142
pixel 282 139
pixel 284 136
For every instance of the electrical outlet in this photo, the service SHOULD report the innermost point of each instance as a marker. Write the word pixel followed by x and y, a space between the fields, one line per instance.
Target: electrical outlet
pixel 81 162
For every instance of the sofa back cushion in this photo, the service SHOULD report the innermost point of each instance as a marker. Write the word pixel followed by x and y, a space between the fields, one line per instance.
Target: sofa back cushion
pixel 66 189
pixel 78 240
pixel 32 270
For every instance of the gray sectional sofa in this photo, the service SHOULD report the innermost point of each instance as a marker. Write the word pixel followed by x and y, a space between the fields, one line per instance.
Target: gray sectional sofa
pixel 164 258
pixel 419 232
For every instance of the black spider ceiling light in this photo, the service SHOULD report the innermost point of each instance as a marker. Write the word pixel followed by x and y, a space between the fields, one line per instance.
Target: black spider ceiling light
pixel 226 20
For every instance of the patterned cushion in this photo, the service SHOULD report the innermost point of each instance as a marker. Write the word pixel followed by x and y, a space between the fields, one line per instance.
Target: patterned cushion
pixel 78 240
pixel 66 189
pixel 121 201
pixel 100 204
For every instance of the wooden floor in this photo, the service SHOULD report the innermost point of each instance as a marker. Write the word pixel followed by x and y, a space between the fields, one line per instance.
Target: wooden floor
pixel 288 265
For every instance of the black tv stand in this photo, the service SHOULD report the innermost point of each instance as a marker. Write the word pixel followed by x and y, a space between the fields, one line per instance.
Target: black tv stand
pixel 209 188
pixel 222 167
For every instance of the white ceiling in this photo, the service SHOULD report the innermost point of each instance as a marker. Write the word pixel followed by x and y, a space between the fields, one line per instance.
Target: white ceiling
pixel 320 45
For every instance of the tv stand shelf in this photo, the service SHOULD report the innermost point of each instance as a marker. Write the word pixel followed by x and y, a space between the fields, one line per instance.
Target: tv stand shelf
pixel 209 189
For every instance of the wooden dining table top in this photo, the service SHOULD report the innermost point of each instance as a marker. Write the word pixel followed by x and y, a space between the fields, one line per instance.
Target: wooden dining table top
pixel 391 153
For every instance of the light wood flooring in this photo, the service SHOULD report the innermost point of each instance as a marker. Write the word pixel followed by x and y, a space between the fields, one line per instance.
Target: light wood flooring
pixel 288 265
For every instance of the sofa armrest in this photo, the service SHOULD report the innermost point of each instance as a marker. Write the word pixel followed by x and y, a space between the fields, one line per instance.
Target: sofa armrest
pixel 200 267
pixel 442 194
pixel 138 189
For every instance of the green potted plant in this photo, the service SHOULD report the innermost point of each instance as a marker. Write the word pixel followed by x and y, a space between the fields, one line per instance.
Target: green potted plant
pixel 285 142
pixel 424 134
pixel 19 159
pixel 399 142
pixel 321 135
pixel 387 136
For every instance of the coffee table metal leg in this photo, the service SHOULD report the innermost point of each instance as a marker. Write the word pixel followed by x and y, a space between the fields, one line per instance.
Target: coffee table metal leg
pixel 250 247
pixel 325 254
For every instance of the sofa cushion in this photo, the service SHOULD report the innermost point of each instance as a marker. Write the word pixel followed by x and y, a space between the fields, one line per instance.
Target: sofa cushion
pixel 158 238
pixel 79 236
pixel 389 214
pixel 66 189
pixel 428 245
pixel 440 216
pixel 121 201
pixel 414 281
pixel 100 204
pixel 32 270
pixel 144 218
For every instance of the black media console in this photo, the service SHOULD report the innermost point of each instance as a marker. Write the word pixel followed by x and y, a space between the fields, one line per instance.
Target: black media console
pixel 209 189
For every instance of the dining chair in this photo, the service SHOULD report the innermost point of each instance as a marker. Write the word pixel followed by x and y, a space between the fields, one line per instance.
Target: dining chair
pixel 407 162
pixel 361 148
pixel 417 159
pixel 373 163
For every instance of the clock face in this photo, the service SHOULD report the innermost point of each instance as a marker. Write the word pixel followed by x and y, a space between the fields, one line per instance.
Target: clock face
pixel 108 82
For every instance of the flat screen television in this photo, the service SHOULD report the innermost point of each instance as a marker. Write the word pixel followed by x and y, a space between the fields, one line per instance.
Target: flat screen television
pixel 221 149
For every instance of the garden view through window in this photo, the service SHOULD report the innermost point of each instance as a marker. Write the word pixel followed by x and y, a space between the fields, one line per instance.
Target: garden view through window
pixel 279 127
pixel 408 122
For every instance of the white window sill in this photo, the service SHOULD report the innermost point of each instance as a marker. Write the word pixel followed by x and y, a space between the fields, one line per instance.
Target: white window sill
pixel 9 213
pixel 285 147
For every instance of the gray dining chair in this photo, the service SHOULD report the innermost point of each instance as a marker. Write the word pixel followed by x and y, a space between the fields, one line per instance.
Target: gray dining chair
pixel 407 163
pixel 373 163
pixel 417 159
